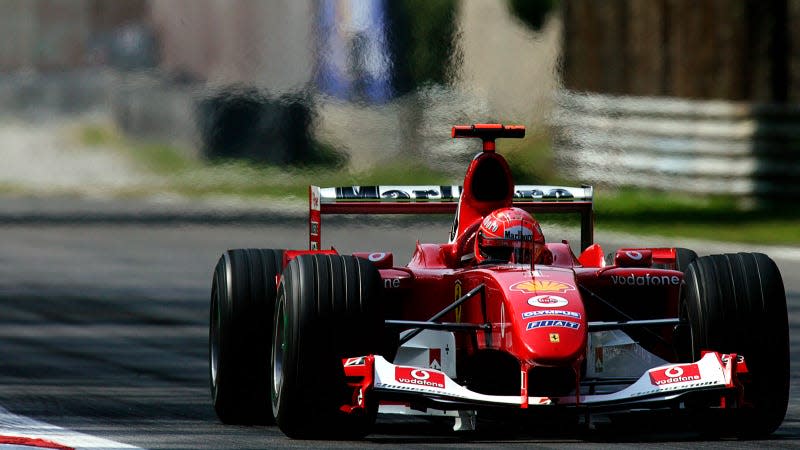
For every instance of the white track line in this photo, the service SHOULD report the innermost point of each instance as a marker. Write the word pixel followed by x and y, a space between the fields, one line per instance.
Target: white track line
pixel 15 425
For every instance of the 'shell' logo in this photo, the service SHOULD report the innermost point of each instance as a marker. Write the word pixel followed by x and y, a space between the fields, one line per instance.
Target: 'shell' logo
pixel 419 377
pixel 675 374
pixel 542 286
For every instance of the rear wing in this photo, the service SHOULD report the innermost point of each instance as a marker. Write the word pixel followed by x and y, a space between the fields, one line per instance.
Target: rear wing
pixel 441 200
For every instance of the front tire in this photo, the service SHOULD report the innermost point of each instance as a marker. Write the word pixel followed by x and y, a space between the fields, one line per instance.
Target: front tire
pixel 328 307
pixel 735 303
pixel 684 257
pixel 242 300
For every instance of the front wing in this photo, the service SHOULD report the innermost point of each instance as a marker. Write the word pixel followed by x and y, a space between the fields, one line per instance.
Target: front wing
pixel 373 375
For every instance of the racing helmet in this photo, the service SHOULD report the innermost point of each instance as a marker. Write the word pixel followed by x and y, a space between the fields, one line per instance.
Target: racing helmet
pixel 509 235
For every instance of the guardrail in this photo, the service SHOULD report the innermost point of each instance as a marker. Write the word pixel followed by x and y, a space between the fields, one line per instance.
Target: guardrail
pixel 705 147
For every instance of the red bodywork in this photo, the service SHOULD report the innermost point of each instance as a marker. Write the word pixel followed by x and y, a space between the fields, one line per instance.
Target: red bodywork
pixel 537 316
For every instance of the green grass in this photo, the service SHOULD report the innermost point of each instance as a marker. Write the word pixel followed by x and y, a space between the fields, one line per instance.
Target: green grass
pixel 193 177
pixel 630 210
pixel 10 189
pixel 642 211
pixel 684 215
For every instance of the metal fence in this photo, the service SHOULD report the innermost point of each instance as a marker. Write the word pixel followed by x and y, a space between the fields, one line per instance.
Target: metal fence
pixel 705 147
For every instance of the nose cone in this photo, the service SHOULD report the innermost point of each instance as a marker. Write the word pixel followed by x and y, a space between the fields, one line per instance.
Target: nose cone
pixel 543 311
pixel 554 339
pixel 551 324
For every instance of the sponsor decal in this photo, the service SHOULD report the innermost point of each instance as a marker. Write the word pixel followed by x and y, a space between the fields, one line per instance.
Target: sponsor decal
pixel 646 280
pixel 634 255
pixel 492 226
pixel 675 374
pixel 541 193
pixel 502 321
pixel 726 357
pixel 445 193
pixel 542 286
pixel 548 301
pixel 553 323
pixel 457 295
pixel 419 377
pixel 355 361
pixel 314 228
pixel 397 194
pixel 550 312
pixel 391 283
pixel 376 256
pixel 357 192
pixel 519 233
pixel 555 338
pixel 315 198
pixel 314 245
pixel 435 358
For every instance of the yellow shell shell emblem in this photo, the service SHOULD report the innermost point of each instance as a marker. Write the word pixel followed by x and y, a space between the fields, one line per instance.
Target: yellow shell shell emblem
pixel 542 286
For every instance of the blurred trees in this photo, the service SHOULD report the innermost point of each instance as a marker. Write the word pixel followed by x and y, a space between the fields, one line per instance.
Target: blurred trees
pixel 703 49
pixel 533 12
pixel 53 35
pixel 422 36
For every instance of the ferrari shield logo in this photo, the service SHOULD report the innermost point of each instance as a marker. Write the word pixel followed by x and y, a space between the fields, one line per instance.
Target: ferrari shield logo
pixel 555 338
pixel 542 286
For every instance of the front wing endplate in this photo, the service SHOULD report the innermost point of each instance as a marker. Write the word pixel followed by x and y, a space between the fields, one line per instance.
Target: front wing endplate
pixel 714 371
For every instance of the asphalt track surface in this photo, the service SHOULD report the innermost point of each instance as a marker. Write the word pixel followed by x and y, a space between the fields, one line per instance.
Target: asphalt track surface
pixel 104 329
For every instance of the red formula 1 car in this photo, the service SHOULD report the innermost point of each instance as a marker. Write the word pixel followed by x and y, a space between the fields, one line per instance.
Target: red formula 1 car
pixel 493 319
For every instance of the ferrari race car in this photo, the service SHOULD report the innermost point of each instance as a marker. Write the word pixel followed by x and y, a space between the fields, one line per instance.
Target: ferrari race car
pixel 320 342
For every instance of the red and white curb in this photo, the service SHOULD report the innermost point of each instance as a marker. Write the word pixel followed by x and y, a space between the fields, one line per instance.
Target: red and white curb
pixel 23 433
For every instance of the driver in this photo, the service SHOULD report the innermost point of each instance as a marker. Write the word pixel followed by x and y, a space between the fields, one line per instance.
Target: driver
pixel 509 235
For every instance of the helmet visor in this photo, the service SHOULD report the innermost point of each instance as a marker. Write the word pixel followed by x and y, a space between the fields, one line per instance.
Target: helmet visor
pixel 508 254
pixel 506 250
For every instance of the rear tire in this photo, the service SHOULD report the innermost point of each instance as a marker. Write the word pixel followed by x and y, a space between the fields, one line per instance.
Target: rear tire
pixel 328 307
pixel 735 303
pixel 242 300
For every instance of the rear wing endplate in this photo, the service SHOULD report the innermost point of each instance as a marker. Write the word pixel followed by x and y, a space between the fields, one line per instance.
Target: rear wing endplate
pixel 441 200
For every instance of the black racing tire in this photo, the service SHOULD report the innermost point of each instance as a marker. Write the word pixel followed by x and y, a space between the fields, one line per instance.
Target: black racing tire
pixel 243 295
pixel 328 307
pixel 684 257
pixel 735 303
pixel 682 333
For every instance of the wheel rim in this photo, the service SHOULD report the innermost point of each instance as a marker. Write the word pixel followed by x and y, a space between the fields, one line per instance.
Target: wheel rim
pixel 278 346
